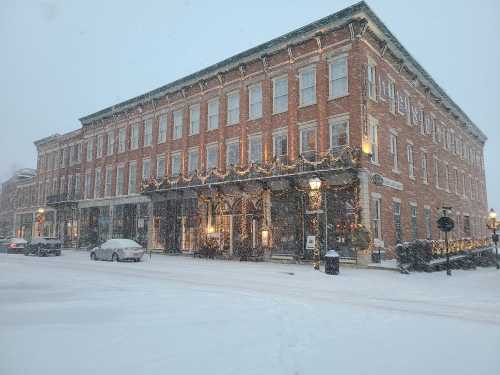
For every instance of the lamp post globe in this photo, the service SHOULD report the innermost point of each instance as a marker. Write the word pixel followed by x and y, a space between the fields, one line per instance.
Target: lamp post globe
pixel 492 216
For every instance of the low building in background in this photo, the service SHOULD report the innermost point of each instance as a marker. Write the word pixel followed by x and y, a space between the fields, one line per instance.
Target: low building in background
pixel 332 130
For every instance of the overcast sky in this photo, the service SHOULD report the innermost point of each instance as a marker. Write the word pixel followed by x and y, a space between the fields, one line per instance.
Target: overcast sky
pixel 61 60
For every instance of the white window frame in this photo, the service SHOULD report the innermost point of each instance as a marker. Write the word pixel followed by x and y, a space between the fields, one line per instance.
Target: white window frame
pixel 108 181
pixel 255 101
pixel 97 182
pixel 176 155
pixel 194 119
pixel 233 108
pixel 162 128
pixel 277 135
pixel 376 218
pixel 122 136
pixel 391 95
pixel 393 150
pixel 303 129
pixel 160 158
pixel 229 144
pixel 302 88
pixel 90 149
pixel 120 175
pixel 178 120
pixel 334 81
pixel 148 132
pixel 99 146
pixel 410 157
pixel 134 136
pixel 251 139
pixel 334 123
pixel 212 147
pixel 213 114
pixel 424 163
pixel 191 152
pixel 146 176
pixel 110 142
pixel 373 138
pixel 281 98
pixel 371 81
pixel 132 182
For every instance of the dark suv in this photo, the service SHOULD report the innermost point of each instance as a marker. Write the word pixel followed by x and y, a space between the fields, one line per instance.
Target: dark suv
pixel 43 246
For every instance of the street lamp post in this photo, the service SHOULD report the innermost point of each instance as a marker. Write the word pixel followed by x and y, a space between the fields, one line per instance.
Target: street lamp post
pixel 446 224
pixel 315 205
pixel 494 237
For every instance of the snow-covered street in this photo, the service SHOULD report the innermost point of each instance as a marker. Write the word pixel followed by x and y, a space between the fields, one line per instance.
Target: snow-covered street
pixel 178 315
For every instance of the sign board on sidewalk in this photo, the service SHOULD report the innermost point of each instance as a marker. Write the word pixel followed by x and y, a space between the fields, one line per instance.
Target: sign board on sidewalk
pixel 310 242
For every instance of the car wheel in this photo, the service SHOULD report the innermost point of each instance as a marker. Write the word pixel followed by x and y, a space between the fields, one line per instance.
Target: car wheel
pixel 92 256
pixel 115 258
pixel 58 253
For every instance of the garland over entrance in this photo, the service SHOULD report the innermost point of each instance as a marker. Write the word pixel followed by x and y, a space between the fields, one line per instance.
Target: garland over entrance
pixel 344 159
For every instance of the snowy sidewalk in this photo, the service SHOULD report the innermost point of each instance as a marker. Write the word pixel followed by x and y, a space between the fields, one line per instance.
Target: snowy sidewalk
pixel 181 315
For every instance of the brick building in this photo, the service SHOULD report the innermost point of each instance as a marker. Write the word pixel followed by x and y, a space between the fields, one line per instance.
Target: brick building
pixel 232 152
pixel 15 196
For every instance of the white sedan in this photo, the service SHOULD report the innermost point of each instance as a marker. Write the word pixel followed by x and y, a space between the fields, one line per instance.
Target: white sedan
pixel 118 249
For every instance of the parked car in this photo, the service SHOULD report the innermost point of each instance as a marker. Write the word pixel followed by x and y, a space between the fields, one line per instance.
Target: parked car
pixel 43 246
pixel 118 249
pixel 12 245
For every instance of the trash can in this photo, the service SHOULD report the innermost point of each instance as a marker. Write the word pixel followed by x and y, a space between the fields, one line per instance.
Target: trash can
pixel 332 262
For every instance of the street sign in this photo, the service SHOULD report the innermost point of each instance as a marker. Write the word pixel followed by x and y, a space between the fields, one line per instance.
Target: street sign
pixel 311 242
pixel 445 223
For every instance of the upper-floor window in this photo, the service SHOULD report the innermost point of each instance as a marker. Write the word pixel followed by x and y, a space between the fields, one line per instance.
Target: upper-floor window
pixel 233 108
pixel 162 129
pixel 64 158
pixel 90 149
pixel 255 101
pixel 413 222
pixel 121 140
pixel 146 168
pixel 108 183
pixel 371 82
pixel 160 166
pixel 436 172
pixel 373 135
pixel 307 86
pixel 97 183
pixel 148 132
pixel 391 90
pixel 338 77
pixel 178 119
pixel 175 163
pixel 213 114
pixel 111 142
pixel 212 156
pixel 193 160
pixel 280 144
pixel 394 151
pixel 134 137
pixel 194 119
pixel 120 179
pixel 307 135
pixel 411 164
pixel 88 185
pixel 100 145
pixel 132 177
pixel 339 133
pixel 233 152
pixel 255 148
pixel 424 168
pixel 280 94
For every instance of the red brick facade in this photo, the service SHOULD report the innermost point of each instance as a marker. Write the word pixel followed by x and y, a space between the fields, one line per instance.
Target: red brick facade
pixel 350 33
